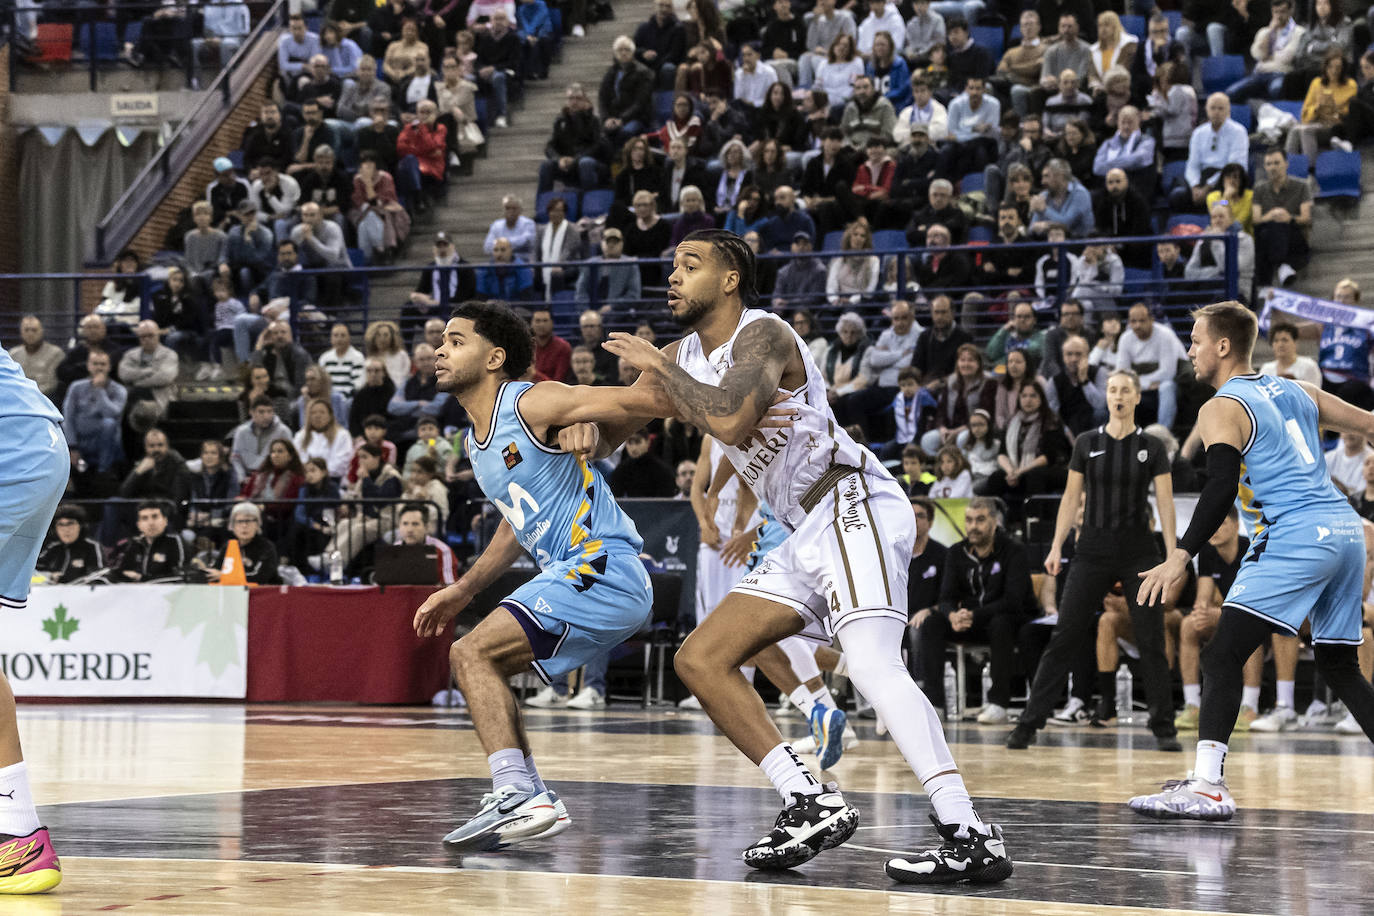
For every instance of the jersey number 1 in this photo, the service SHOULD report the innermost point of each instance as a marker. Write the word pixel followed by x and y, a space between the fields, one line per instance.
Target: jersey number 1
pixel 1295 433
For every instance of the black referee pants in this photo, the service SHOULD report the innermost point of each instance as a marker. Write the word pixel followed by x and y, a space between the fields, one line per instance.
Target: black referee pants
pixel 1103 558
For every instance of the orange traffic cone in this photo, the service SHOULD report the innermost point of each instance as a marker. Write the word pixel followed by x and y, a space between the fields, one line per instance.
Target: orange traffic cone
pixel 231 573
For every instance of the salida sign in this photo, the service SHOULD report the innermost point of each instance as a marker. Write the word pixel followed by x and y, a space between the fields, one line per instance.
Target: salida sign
pixel 128 640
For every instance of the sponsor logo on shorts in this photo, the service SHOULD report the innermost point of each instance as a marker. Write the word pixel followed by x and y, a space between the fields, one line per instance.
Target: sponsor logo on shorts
pixel 1322 533
pixel 850 517
pixel 541 606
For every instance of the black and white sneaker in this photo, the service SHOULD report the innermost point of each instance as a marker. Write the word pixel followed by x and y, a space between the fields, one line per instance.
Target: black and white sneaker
pixel 977 858
pixel 805 827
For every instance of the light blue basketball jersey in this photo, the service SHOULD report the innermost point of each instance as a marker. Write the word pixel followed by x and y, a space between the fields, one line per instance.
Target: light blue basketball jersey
pixel 769 534
pixel 19 396
pixel 1282 469
pixel 560 506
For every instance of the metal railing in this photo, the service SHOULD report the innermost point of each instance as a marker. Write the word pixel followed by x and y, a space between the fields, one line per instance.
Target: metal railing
pixel 186 143
pixel 353 304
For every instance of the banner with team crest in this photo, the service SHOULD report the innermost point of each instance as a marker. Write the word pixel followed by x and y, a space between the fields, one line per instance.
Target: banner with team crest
pixel 128 641
pixel 669 530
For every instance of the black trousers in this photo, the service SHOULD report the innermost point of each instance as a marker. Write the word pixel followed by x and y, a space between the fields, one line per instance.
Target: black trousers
pixel 1031 644
pixel 1275 244
pixel 1105 557
pixel 1000 635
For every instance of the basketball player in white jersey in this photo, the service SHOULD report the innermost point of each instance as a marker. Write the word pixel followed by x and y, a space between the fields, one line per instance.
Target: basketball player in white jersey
pixel 841 570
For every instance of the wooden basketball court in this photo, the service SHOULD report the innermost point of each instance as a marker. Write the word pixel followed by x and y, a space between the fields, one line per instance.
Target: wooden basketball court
pixel 322 809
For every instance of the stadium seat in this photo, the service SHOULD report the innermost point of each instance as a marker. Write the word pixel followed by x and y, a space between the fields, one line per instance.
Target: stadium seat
pixel 1243 115
pixel 1134 25
pixel 597 203
pixel 98 41
pixel 1338 175
pixel 1220 72
pixel 1175 18
pixel 1298 166
pixel 1137 283
pixel 358 281
pixel 236 157
pixel 52 44
pixel 971 182
pixel 990 37
pixel 663 107
pixel 541 204
pixel 833 240
pixel 889 240
pixel 978 234
pixel 1293 108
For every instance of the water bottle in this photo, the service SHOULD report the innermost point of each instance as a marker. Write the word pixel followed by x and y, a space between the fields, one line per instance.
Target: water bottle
pixel 987 681
pixel 951 693
pixel 1124 687
pixel 336 568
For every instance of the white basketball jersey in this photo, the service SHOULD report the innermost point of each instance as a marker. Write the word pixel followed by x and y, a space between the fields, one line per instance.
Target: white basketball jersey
pixel 787 462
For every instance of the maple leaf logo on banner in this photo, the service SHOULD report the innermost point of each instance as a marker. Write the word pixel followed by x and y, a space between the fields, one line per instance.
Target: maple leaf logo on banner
pixel 59 625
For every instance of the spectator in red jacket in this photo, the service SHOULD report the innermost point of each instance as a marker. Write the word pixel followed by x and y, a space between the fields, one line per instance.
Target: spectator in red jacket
pixel 426 139
pixel 873 180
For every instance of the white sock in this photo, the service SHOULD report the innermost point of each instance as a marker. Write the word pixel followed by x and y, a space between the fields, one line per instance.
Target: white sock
pixel 534 775
pixel 842 666
pixel 803 700
pixel 949 798
pixel 1211 757
pixel 822 696
pixel 788 774
pixel 802 655
pixel 1192 694
pixel 508 769
pixel 1249 696
pixel 1284 692
pixel 18 817
pixel 879 675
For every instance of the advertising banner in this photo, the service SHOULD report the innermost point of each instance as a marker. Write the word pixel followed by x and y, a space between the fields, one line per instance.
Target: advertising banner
pixel 128 641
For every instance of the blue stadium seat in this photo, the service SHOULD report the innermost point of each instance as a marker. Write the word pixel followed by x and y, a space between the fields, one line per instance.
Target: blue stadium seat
pixel 1243 115
pixel 1171 174
pixel 1338 175
pixel 889 240
pixel 358 281
pixel 990 37
pixel 541 204
pixel 597 203
pixel 1134 25
pixel 98 41
pixel 1220 72
pixel 236 157
pixel 833 240
pixel 971 182
pixel 1298 166
pixel 979 234
pixel 1175 18
pixel 1293 108
pixel 1137 283
pixel 663 106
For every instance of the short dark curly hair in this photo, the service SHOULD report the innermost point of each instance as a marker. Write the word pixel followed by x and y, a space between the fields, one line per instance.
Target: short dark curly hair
pixel 498 324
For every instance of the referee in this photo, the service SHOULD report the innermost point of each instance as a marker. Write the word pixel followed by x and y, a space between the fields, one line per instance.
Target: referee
pixel 1114 465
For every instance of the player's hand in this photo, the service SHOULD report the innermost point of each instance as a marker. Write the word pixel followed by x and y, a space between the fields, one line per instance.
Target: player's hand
pixel 1052 563
pixel 580 439
pixel 735 552
pixel 710 534
pixel 440 608
pixel 1157 581
pixel 636 351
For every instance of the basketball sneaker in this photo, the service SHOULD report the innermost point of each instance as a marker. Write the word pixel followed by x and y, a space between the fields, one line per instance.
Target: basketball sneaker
pixel 506 814
pixel 561 824
pixel 809 824
pixel 807 745
pixel 1076 713
pixel 1021 737
pixel 827 729
pixel 1193 798
pixel 1275 720
pixel 547 698
pixel 28 864
pixel 1186 721
pixel 1348 725
pixel 973 858
pixel 1105 714
pixel 1245 718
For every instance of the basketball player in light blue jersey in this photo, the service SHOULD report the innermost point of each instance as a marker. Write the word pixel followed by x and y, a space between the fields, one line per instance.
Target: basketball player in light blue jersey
pixel 1306 559
pixel 592 591
pixel 34 466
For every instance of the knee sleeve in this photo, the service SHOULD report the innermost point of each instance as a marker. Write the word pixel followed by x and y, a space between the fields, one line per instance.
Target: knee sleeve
pixel 1238 635
pixel 801 654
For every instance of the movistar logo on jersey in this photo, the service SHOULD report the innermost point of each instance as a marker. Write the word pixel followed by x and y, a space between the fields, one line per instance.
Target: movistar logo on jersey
pixel 514 511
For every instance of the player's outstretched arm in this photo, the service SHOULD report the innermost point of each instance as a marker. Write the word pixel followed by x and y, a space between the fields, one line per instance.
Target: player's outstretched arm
pixel 731 410
pixel 1341 416
pixel 1225 430
pixel 440 608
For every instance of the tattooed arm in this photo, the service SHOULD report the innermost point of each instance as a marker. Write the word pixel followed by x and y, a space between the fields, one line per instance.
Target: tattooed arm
pixel 731 410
